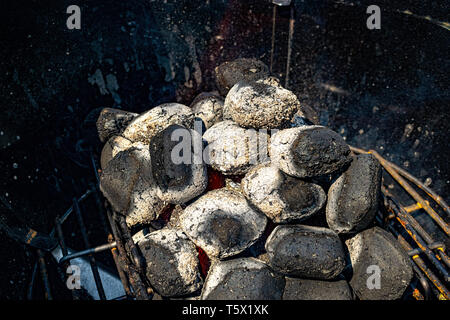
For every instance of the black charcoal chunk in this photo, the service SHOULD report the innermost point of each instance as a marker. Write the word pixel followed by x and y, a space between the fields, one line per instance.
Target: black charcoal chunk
pixel 375 252
pixel 353 197
pixel 179 173
pixel 127 183
pixel 222 223
pixel 231 72
pixel 305 251
pixel 309 151
pixel 112 122
pixel 308 289
pixel 282 198
pixel 242 279
pixel 172 265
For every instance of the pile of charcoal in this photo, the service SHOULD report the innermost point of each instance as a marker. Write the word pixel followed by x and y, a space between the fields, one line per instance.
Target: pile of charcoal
pixel 242 195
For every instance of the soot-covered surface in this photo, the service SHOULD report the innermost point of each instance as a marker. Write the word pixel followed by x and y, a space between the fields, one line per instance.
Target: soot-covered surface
pixel 385 89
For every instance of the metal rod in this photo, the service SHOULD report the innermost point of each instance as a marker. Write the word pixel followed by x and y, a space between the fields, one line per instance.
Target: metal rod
pixel 64 251
pixel 138 287
pixel 69 211
pixel 424 204
pixel 134 251
pixel 423 282
pixel 52 233
pixel 33 277
pixel 290 39
pixel 94 166
pixel 391 168
pixel 44 275
pixel 272 51
pixel 400 215
pixel 421 264
pixel 428 239
pixel 433 214
pixel 86 252
pixel 122 276
pixel 98 281
pixel 60 235
pixel 438 199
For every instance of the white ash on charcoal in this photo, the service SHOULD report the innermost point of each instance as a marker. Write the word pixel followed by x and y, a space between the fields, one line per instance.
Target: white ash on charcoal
pixel 305 251
pixel 149 123
pixel 209 108
pixel 308 289
pixel 127 183
pixel 112 122
pixel 178 175
pixel 174 221
pixel 381 269
pixel 309 151
pixel 282 198
pixel 233 150
pixel 231 72
pixel 120 175
pixel 222 223
pixel 172 265
pixel 242 279
pixel 261 104
pixel 145 205
pixel 112 147
pixel 353 197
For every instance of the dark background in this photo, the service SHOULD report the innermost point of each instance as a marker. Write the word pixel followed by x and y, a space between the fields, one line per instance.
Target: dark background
pixel 384 89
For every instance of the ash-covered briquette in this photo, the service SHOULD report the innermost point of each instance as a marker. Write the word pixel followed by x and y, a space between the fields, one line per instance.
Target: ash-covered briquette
pixel 172 265
pixel 233 150
pixel 118 179
pixel 209 108
pixel 178 176
pixel 353 197
pixel 145 205
pixel 305 251
pixel 127 184
pixel 112 147
pixel 308 289
pixel 231 72
pixel 242 279
pixel 112 122
pixel 309 151
pixel 282 198
pixel 261 104
pixel 149 123
pixel 222 223
pixel 381 269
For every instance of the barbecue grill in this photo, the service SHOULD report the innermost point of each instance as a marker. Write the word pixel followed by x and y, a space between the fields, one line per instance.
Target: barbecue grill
pixel 403 198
